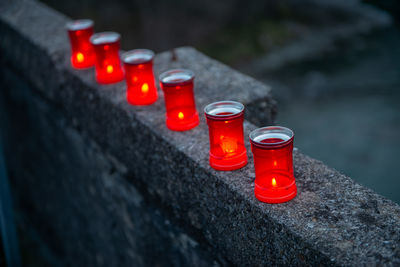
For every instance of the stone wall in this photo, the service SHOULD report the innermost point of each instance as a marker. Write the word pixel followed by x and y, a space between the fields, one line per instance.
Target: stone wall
pixel 106 184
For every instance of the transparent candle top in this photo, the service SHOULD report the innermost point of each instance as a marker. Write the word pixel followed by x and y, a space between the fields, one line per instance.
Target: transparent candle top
pixel 104 38
pixel 177 76
pixel 138 56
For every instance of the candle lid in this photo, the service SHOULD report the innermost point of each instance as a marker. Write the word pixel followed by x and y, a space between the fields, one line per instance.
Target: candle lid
pixel 79 24
pixel 177 76
pixel 104 38
pixel 280 135
pixel 223 110
pixel 138 56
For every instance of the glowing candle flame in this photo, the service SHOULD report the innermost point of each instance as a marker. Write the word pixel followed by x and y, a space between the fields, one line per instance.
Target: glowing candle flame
pixel 145 88
pixel 80 57
pixel 180 115
pixel 275 163
pixel 273 181
pixel 228 145
pixel 110 69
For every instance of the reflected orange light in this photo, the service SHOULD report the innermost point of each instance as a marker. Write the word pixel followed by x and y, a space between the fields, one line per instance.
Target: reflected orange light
pixel 228 145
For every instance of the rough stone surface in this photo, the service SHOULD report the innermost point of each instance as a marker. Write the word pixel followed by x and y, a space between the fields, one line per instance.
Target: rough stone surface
pixel 332 221
pixel 106 220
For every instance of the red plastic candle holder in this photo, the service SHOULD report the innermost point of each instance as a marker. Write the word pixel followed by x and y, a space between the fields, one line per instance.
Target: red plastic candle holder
pixel 141 87
pixel 108 64
pixel 273 161
pixel 179 99
pixel 225 126
pixel 82 53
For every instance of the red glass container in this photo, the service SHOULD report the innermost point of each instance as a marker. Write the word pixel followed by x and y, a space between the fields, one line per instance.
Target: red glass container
pixel 179 99
pixel 108 64
pixel 82 53
pixel 273 161
pixel 225 126
pixel 141 86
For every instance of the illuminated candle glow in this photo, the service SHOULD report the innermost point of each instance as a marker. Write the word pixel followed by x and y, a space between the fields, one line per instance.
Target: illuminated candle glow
pixel 179 99
pixel 273 182
pixel 272 150
pixel 108 64
pixel 82 53
pixel 225 125
pixel 141 87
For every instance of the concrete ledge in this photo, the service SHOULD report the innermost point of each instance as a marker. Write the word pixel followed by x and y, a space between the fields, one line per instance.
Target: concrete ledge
pixel 332 221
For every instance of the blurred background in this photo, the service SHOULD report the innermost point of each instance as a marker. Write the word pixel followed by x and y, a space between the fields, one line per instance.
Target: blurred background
pixel 334 66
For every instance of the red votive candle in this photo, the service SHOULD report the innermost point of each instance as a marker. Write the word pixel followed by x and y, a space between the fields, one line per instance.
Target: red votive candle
pixel 179 99
pixel 82 54
pixel 273 161
pixel 141 87
pixel 108 64
pixel 225 127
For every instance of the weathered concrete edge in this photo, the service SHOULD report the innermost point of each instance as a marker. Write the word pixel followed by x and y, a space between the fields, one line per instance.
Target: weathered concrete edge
pixel 50 87
pixel 86 174
pixel 191 219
